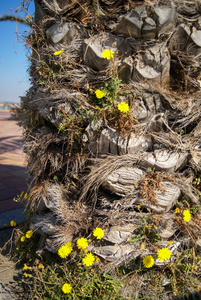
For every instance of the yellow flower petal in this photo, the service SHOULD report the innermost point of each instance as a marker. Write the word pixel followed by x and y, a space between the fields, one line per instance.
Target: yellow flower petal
pixel 177 210
pixel 88 260
pixel 99 94
pixel 25 267
pixel 65 250
pixel 58 52
pixel 22 238
pixel 108 54
pixel 98 233
pixel 66 288
pixel 29 234
pixel 164 254
pixel 40 266
pixel 82 243
pixel 22 194
pixel 97 259
pixel 13 223
pixel 148 261
pixel 169 243
pixel 186 215
pixel 123 107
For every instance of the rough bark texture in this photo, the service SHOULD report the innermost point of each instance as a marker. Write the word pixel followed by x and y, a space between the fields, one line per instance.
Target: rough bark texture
pixel 91 164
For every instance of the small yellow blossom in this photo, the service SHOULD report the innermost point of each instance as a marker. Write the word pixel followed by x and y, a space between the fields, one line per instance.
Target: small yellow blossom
pixel 169 243
pixel 164 254
pixel 29 18
pixel 91 90
pixel 142 246
pixel 194 268
pixel 66 288
pixel 123 107
pixel 177 210
pixel 25 274
pixel 40 266
pixel 65 250
pixel 148 261
pixel 88 260
pixel 108 54
pixel 29 234
pixel 98 233
pixel 25 267
pixel 99 94
pixel 13 223
pixel 25 196
pixel 82 243
pixel 22 239
pixel 58 52
pixel 22 194
pixel 97 259
pixel 186 215
pixel 198 288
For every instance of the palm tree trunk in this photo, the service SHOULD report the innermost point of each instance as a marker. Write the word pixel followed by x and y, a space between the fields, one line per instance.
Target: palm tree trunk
pixel 113 136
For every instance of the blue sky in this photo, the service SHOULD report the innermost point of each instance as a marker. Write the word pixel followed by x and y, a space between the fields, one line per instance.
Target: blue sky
pixel 14 78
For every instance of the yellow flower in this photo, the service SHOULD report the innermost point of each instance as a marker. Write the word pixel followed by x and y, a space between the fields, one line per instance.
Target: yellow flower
pixel 13 223
pixel 177 210
pixel 186 215
pixel 195 268
pixel 22 238
pixel 58 52
pixel 99 94
pixel 88 260
pixel 29 234
pixel 169 243
pixel 25 196
pixel 91 90
pixel 22 194
pixel 142 246
pixel 65 250
pixel 107 54
pixel 82 243
pixel 148 261
pixel 29 18
pixel 25 274
pixel 164 254
pixel 97 259
pixel 98 233
pixel 25 267
pixel 66 288
pixel 123 107
pixel 198 288
pixel 40 266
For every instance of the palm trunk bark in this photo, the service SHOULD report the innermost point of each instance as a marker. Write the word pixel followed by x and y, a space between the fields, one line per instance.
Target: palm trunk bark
pixel 92 162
